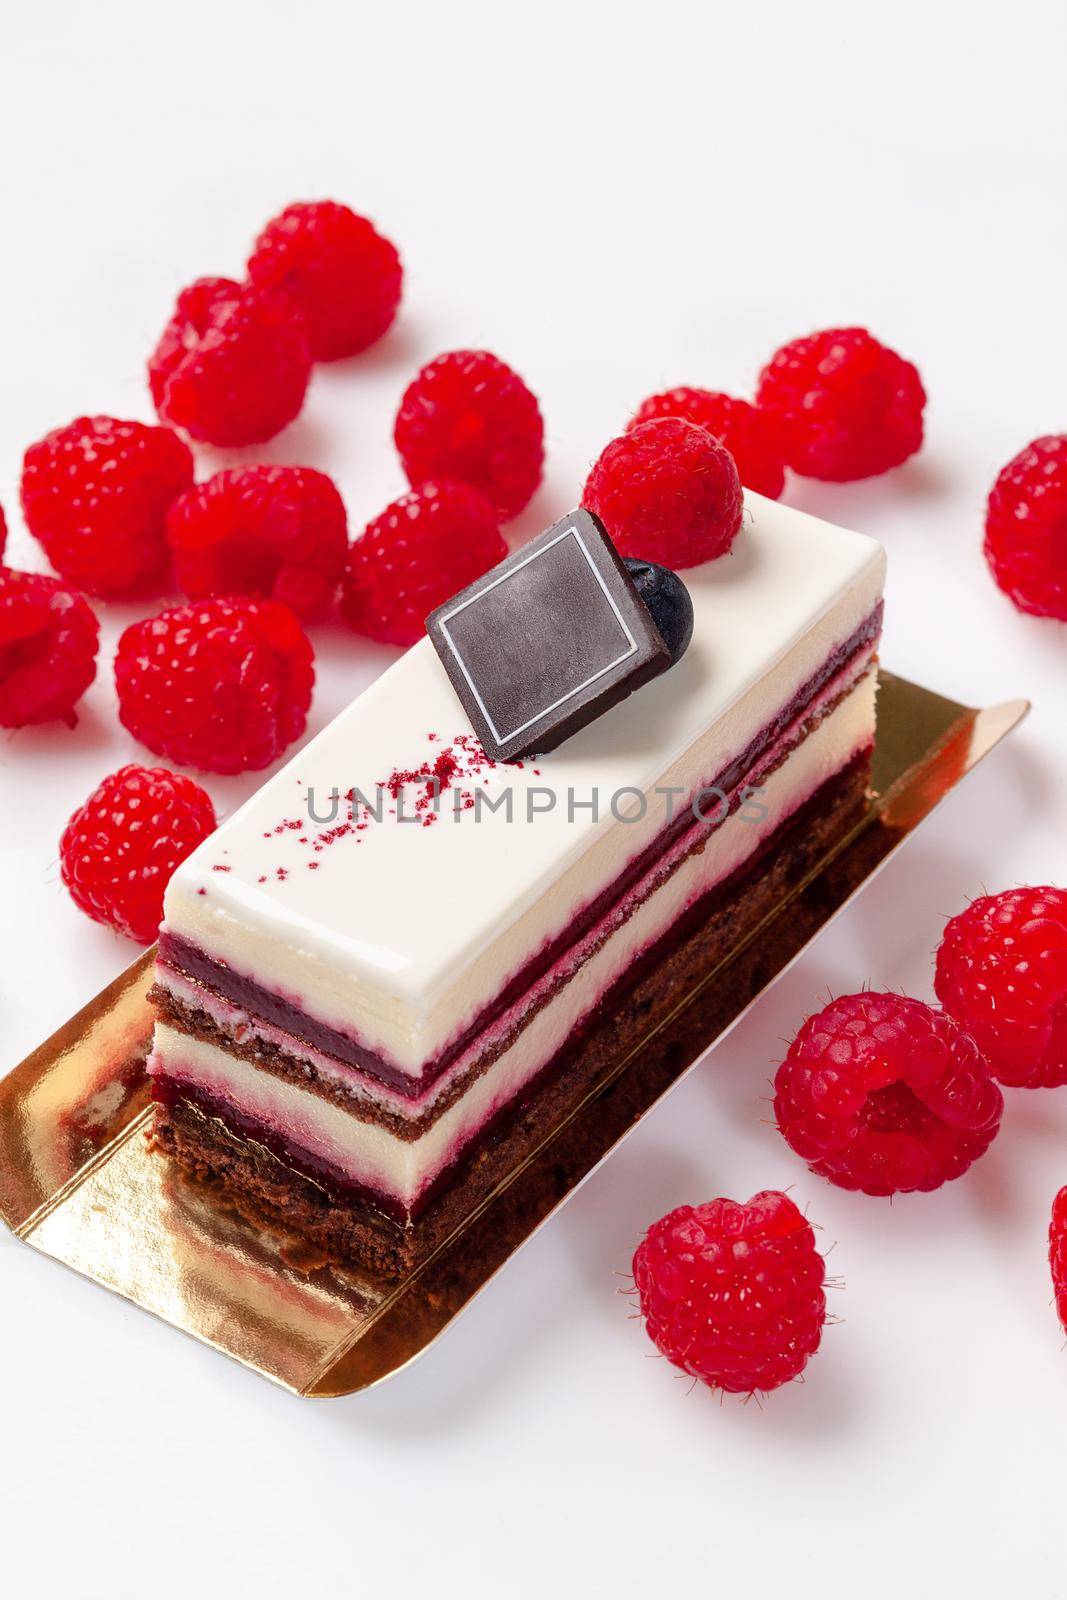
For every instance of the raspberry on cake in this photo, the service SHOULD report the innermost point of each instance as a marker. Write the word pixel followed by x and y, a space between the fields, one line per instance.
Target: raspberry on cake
pixel 233 363
pixel 422 549
pixel 751 436
pixel 734 1294
pixel 281 532
pixel 1026 528
pixel 345 275
pixel 1002 973
pixel 363 1024
pixel 845 406
pixel 667 491
pixel 48 642
pixel 468 417
pixel 95 495
pixel 222 685
pixel 120 848
pixel 885 1094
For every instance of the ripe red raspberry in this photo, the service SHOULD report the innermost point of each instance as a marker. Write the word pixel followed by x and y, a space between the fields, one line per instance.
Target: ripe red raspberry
pixel 48 643
pixel 467 417
pixel 233 364
pixel 343 274
pixel 221 685
pixel 845 406
pixel 3 533
pixel 886 1094
pixel 733 1294
pixel 120 848
pixel 423 549
pixel 1026 528
pixel 95 493
pixel 276 531
pixel 750 435
pixel 1057 1253
pixel 667 491
pixel 1002 973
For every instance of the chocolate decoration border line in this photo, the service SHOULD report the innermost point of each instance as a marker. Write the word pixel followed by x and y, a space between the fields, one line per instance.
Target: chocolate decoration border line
pixel 79 1184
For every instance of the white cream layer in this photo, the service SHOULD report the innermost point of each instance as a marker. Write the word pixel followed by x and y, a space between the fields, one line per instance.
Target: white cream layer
pixel 243 1024
pixel 371 1155
pixel 402 933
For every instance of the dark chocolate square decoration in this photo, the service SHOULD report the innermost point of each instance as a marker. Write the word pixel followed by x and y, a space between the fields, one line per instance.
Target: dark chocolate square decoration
pixel 548 640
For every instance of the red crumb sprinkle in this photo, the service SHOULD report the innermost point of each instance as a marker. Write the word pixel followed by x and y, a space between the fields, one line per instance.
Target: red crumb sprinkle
pixel 463 758
pixel 451 767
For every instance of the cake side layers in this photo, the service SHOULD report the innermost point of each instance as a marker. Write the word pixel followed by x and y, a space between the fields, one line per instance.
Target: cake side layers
pixel 283 1019
pixel 346 1228
pixel 350 920
pixel 402 1171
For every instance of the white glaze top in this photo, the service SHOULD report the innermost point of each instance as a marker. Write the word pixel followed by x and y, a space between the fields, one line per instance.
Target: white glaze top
pixel 400 932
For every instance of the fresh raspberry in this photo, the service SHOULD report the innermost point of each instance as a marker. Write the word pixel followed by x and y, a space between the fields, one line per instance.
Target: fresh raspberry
pixel 48 642
pixel 467 417
pixel 750 435
pixel 221 685
pixel 423 549
pixel 3 533
pixel 120 848
pixel 886 1094
pixel 1002 973
pixel 845 406
pixel 339 269
pixel 276 531
pixel 95 495
pixel 1057 1253
pixel 667 491
pixel 1026 528
pixel 733 1294
pixel 233 364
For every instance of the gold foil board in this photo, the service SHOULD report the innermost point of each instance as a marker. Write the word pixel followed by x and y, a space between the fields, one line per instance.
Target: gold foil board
pixel 79 1183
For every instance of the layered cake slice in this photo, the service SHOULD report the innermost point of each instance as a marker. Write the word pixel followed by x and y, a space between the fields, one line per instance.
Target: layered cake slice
pixel 387 976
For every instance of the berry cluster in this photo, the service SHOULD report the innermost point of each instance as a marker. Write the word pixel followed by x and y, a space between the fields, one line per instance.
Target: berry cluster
pixel 233 364
pixel 878 1093
pixel 836 405
pixel 224 683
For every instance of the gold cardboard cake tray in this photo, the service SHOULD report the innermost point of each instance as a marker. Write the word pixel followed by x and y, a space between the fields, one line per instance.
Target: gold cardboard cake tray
pixel 79 1183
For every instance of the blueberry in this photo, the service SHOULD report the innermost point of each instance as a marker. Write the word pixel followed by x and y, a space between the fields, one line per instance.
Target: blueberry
pixel 667 598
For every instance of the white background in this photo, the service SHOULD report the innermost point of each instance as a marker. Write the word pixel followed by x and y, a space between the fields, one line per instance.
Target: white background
pixel 615 198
